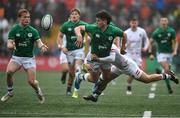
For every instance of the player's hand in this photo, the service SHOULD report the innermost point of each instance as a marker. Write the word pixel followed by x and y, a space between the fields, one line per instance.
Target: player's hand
pixel 79 41
pixel 43 48
pixel 94 57
pixel 174 53
pixel 123 51
pixel 151 57
pixel 14 45
pixel 144 50
pixel 65 50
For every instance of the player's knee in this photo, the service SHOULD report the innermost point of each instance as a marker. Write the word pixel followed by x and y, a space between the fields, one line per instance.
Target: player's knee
pixel 31 82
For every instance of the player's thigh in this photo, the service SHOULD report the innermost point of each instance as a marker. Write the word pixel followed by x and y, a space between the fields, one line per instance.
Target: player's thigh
pixel 106 73
pixel 62 58
pixel 78 62
pixel 12 66
pixel 94 75
pixel 64 67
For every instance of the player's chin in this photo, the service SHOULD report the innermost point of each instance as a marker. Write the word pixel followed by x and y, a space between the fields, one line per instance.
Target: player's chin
pixel 26 23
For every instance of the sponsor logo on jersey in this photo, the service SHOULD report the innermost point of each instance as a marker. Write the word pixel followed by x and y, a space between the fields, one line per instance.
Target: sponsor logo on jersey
pixel 159 35
pixel 169 34
pixel 29 34
pixel 110 38
pixel 69 29
pixel 140 35
pixel 97 35
pixel 18 35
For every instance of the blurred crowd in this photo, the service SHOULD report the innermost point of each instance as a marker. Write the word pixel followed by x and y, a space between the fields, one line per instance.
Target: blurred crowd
pixel 148 12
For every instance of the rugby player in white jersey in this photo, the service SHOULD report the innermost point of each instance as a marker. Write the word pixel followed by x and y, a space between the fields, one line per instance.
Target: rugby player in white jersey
pixel 137 42
pixel 124 65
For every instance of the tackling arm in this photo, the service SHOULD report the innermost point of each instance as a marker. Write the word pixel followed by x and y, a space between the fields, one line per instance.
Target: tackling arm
pixel 124 40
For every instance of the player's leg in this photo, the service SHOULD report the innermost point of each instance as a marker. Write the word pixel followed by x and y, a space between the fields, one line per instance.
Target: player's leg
pixel 29 65
pixel 99 87
pixel 64 66
pixel 101 84
pixel 12 67
pixel 71 79
pixel 65 69
pixel 31 72
pixel 91 76
pixel 156 77
pixel 129 85
pixel 165 60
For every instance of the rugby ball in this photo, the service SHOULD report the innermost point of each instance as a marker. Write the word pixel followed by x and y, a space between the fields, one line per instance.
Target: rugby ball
pixel 47 22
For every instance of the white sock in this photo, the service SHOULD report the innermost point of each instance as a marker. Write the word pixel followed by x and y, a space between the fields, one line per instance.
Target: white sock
pixel 85 77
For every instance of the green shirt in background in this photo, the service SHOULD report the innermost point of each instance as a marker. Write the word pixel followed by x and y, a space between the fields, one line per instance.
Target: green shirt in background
pixel 164 39
pixel 101 42
pixel 68 29
pixel 24 38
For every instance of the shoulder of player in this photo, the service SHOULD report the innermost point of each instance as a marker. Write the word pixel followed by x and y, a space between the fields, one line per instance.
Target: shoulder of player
pixel 15 26
pixel 171 29
pixel 127 30
pixel 113 27
pixel 32 28
pixel 83 22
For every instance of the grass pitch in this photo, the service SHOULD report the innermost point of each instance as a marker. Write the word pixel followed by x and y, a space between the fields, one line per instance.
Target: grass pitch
pixel 115 102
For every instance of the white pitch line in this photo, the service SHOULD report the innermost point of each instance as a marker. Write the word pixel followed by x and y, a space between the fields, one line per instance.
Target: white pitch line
pixel 147 114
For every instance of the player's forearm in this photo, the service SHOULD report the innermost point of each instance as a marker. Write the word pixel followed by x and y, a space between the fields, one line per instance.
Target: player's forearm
pixel 176 46
pixel 150 46
pixel 60 40
pixel 108 59
pixel 146 43
pixel 124 40
pixel 10 44
pixel 77 31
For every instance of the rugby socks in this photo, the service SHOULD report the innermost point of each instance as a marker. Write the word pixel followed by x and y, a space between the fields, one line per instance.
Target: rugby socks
pixel 10 90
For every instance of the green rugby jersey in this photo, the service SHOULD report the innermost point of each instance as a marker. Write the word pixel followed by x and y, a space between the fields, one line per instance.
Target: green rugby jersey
pixel 164 39
pixel 101 42
pixel 68 29
pixel 24 38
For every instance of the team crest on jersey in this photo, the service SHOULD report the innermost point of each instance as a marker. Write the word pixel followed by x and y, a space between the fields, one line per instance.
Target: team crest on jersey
pixel 159 35
pixel 169 34
pixel 97 35
pixel 18 35
pixel 29 34
pixel 110 38
pixel 140 35
pixel 69 29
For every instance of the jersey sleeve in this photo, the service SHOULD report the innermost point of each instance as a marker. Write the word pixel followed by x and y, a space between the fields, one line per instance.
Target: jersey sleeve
pixel 36 35
pixel 63 28
pixel 89 28
pixel 173 34
pixel 119 32
pixel 146 40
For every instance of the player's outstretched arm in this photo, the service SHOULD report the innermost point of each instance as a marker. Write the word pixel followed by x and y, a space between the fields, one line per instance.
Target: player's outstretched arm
pixel 77 31
pixel 41 45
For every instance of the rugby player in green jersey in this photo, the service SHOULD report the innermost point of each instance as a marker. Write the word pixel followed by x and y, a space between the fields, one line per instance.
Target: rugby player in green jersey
pixel 21 40
pixel 165 38
pixel 102 37
pixel 74 52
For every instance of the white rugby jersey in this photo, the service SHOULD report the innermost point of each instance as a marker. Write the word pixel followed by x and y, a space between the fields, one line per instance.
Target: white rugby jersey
pixel 135 40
